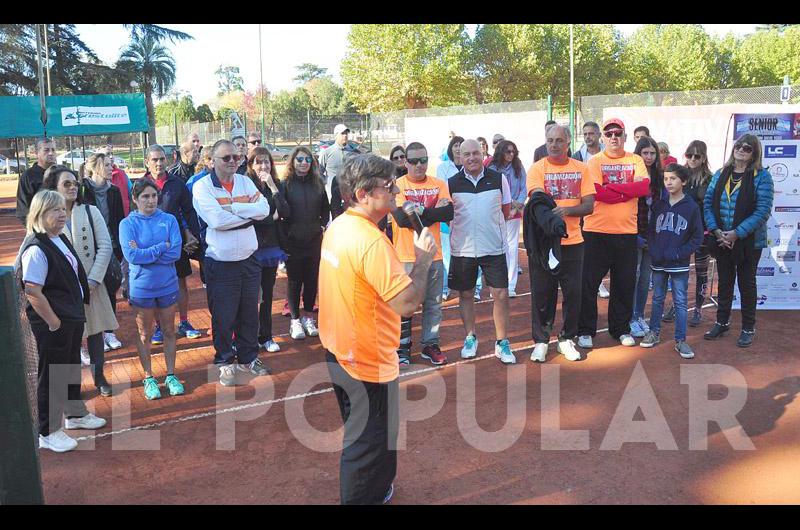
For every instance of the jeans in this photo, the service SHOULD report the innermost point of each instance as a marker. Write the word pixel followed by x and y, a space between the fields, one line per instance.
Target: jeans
pixel 544 294
pixel 643 272
pixel 431 308
pixel 680 289
pixel 445 257
pixel 232 292
pixel 745 272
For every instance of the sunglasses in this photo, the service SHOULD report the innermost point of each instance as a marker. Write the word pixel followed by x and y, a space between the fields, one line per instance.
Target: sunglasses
pixel 399 157
pixel 228 158
pixel 421 160
pixel 693 156
pixel 254 142
pixel 747 148
pixel 615 134
pixel 301 159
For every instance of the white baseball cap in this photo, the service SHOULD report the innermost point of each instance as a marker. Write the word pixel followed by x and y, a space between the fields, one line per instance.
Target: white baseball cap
pixel 341 128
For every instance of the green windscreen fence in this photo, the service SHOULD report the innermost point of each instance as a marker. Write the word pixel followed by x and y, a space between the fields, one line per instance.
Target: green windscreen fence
pixel 72 115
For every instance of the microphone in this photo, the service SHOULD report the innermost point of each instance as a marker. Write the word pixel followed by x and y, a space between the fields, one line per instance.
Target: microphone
pixel 411 211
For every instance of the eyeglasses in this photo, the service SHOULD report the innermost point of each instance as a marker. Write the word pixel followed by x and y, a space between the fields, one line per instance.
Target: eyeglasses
pixel 301 159
pixel 693 156
pixel 254 142
pixel 70 184
pixel 399 157
pixel 421 160
pixel 228 158
pixel 615 134
pixel 747 148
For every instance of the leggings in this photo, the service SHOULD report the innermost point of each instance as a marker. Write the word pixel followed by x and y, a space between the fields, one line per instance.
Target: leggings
pixel 303 273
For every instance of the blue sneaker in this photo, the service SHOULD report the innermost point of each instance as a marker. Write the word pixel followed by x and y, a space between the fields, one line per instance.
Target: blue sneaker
pixel 470 348
pixel 186 330
pixel 636 329
pixel 174 386
pixel 158 337
pixel 503 352
pixel 151 390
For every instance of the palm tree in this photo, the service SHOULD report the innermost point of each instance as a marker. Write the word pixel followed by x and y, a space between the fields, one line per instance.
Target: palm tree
pixel 159 32
pixel 153 66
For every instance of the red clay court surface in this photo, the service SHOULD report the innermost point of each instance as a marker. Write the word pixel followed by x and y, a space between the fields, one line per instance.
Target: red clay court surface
pixel 438 466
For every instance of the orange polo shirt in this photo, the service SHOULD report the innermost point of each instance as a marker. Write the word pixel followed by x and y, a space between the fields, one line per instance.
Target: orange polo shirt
pixel 617 218
pixel 427 193
pixel 567 184
pixel 358 273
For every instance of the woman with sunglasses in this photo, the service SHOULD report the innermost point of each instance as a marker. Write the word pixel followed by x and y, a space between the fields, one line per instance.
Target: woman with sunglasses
pixel 736 208
pixel 261 170
pixel 447 169
pixel 647 148
pixel 506 161
pixel 398 158
pixel 309 213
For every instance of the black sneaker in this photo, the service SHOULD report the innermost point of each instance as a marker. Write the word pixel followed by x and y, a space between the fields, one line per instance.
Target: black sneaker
pixel 389 494
pixel 745 338
pixel 716 331
pixel 669 316
pixel 696 318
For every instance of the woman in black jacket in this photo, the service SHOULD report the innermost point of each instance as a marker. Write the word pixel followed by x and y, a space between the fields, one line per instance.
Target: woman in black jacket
pixel 271 243
pixel 309 213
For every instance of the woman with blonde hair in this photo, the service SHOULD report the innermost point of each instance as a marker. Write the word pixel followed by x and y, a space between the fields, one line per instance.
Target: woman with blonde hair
pixel 57 290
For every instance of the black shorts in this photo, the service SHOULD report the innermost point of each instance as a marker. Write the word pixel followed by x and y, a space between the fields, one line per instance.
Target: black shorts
pixel 182 266
pixel 464 272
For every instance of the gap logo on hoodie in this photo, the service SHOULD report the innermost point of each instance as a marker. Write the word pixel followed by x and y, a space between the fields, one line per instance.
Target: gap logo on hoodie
pixel 672 221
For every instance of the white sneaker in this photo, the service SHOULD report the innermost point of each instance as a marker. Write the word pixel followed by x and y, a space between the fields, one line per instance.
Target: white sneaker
pixel 111 340
pixel 567 349
pixel 227 375
pixel 90 421
pixel 470 348
pixel 58 441
pixel 512 294
pixel 310 326
pixel 85 357
pixel 539 353
pixel 644 325
pixel 503 352
pixel 602 292
pixel 477 296
pixel 627 340
pixel 296 329
pixel 271 346
pixel 585 341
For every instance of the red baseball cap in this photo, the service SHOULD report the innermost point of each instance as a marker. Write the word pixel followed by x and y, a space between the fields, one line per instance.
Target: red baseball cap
pixel 613 121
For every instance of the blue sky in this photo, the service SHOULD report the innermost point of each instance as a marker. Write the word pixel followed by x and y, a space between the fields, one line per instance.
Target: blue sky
pixel 284 46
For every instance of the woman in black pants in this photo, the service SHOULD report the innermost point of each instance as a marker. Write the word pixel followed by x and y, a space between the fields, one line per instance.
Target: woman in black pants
pixel 736 208
pixel 57 289
pixel 309 213
pixel 261 169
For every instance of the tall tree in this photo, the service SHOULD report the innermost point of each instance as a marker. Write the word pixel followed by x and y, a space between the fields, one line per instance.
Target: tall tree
pixel 396 66
pixel 308 71
pixel 180 108
pixel 228 79
pixel 326 97
pixel 204 114
pixel 766 56
pixel 153 66
pixel 160 33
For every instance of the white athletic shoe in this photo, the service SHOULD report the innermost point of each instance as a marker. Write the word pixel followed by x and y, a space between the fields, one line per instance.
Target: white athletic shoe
pixel 585 341
pixel 567 349
pixel 296 329
pixel 271 346
pixel 539 353
pixel 503 352
pixel 310 326
pixel 59 441
pixel 85 357
pixel 602 292
pixel 90 421
pixel 627 340
pixel 470 348
pixel 111 340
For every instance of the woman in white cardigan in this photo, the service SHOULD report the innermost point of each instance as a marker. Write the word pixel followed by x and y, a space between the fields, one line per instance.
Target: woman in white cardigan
pixel 99 314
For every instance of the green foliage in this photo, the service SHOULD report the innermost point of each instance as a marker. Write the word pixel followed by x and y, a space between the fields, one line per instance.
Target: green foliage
pixel 307 72
pixel 181 109
pixel 395 66
pixel 766 56
pixel 228 79
pixel 290 104
pixel 326 97
pixel 204 114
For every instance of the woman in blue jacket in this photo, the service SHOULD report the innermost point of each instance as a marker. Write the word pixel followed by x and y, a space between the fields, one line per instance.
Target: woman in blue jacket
pixel 736 208
pixel 151 241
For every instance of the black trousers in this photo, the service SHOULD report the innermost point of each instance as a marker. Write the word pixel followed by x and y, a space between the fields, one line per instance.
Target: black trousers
pixel 62 348
pixel 544 294
pixel 97 357
pixel 604 253
pixel 371 418
pixel 745 272
pixel 303 274
pixel 268 275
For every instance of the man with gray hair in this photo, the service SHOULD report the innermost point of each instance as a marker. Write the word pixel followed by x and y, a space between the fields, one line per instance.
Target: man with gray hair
pixel 31 180
pixel 241 147
pixel 228 203
pixel 184 168
pixel 364 290
pixel 591 142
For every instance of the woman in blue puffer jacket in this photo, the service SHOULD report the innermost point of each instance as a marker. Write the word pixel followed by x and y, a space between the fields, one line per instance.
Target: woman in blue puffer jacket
pixel 736 208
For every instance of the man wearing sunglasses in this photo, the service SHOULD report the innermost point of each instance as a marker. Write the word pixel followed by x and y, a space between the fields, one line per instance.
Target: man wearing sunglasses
pixel 253 141
pixel 332 159
pixel 228 203
pixel 434 206
pixel 609 234
pixel 241 147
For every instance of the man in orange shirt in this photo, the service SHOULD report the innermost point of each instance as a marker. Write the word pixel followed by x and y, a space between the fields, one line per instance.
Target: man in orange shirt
pixel 568 182
pixel 364 290
pixel 434 206
pixel 610 232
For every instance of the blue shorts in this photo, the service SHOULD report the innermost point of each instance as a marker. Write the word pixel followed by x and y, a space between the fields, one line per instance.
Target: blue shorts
pixel 160 302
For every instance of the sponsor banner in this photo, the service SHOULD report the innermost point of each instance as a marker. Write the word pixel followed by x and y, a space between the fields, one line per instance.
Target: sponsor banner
pixel 777 126
pixel 75 116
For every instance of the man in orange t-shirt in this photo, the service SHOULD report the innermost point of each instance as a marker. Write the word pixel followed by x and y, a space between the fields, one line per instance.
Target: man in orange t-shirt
pixel 431 197
pixel 364 290
pixel 568 182
pixel 610 235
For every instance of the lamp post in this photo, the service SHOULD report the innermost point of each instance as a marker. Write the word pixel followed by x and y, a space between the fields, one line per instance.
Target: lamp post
pixel 261 78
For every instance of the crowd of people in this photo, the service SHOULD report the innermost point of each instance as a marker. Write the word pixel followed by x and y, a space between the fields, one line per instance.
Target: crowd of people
pixel 639 217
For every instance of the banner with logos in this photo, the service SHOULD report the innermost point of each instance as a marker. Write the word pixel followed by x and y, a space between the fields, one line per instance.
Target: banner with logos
pixel 778 272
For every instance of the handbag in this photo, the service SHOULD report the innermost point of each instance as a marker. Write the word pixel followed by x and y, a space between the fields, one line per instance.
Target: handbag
pixel 113 278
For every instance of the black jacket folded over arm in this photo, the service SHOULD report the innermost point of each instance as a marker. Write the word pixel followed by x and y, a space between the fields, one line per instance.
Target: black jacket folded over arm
pixel 543 230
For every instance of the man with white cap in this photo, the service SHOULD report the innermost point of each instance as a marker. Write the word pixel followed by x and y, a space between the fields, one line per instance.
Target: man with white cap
pixel 331 161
